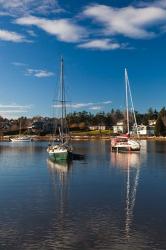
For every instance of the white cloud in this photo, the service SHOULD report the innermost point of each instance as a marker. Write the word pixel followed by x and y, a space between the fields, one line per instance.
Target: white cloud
pixel 80 105
pixel 13 110
pixel 11 36
pixel 102 44
pixel 89 105
pixel 74 105
pixel 39 73
pixel 19 64
pixel 24 7
pixel 131 21
pixel 96 108
pixel 31 33
pixel 107 102
pixel 20 107
pixel 64 29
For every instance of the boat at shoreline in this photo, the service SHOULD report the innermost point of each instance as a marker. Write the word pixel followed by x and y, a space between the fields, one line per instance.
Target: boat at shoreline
pixel 124 142
pixel 20 138
pixel 62 150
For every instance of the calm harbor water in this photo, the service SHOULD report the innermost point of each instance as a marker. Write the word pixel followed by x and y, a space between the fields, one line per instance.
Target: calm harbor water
pixel 105 201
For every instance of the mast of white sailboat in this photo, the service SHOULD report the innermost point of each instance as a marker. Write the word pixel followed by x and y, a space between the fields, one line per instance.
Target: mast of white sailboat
pixel 127 104
pixel 132 104
pixel 62 100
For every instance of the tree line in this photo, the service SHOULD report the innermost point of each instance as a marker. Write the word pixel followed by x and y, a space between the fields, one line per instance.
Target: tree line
pixel 82 120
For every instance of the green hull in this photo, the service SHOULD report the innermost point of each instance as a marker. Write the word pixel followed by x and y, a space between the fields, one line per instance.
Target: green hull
pixel 59 156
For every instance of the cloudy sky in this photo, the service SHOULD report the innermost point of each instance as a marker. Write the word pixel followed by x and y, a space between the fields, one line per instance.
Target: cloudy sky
pixel 97 40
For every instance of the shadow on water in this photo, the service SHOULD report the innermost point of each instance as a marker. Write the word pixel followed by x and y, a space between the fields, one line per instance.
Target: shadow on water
pixel 78 157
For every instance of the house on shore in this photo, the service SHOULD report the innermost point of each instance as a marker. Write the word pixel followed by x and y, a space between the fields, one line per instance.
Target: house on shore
pixel 148 130
pixel 97 127
pixel 118 128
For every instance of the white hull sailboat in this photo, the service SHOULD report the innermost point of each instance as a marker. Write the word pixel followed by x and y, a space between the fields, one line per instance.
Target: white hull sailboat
pixel 21 138
pixel 62 150
pixel 124 142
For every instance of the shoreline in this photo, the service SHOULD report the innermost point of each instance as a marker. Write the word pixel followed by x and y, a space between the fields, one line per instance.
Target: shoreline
pixel 86 137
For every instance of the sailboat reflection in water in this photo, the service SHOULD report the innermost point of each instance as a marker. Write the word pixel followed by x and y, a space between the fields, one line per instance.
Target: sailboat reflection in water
pixel 59 167
pixel 130 163
pixel 63 150
pixel 59 173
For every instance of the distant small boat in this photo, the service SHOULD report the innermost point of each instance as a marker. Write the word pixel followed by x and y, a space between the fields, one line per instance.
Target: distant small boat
pixel 62 150
pixel 124 142
pixel 20 138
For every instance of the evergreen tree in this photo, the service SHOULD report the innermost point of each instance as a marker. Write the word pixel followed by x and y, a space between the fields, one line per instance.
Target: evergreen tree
pixel 160 128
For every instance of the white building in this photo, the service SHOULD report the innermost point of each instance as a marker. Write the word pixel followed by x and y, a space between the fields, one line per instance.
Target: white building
pixel 146 130
pixel 98 127
pixel 118 128
pixel 152 122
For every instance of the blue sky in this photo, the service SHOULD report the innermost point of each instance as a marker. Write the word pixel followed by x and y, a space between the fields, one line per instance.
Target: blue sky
pixel 97 40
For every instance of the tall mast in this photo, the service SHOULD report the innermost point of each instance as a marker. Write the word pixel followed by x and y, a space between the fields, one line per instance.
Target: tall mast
pixel 62 99
pixel 127 104
pixel 132 104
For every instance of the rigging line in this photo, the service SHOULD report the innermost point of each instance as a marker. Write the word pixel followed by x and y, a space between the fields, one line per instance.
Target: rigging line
pixel 132 106
pixel 62 98
pixel 127 105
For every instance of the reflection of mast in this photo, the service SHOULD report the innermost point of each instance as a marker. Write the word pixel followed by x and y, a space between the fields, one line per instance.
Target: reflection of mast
pixel 130 163
pixel 59 172
pixel 59 169
pixel 130 197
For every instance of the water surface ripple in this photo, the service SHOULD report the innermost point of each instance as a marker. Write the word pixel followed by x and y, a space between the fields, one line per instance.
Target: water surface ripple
pixel 103 201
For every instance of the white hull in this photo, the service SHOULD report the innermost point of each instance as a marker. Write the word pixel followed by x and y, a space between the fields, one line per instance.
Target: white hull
pixel 21 139
pixel 125 145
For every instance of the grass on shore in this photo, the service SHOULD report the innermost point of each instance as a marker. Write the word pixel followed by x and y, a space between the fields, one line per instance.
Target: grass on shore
pixel 94 132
